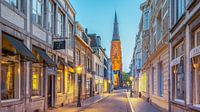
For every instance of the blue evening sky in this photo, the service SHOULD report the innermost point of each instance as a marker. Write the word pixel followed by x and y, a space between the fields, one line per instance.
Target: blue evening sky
pixel 98 17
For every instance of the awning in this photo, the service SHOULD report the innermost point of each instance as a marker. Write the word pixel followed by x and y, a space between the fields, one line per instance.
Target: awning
pixel 195 52
pixel 21 48
pixel 175 61
pixel 63 62
pixel 71 67
pixel 45 57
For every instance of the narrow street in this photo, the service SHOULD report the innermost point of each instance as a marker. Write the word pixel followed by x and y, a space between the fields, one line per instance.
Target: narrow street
pixel 116 102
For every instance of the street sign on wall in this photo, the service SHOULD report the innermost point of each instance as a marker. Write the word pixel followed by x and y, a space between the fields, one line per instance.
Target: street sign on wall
pixel 59 45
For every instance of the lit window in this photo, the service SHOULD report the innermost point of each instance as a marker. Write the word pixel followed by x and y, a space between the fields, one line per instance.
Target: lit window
pixel 9 79
pixel 10 71
pixel 37 11
pixel 37 73
pixel 60 74
pixel 196 72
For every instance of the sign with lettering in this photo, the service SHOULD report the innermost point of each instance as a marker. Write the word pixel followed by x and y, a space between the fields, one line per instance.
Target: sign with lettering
pixel 51 70
pixel 176 61
pixel 59 45
pixel 195 52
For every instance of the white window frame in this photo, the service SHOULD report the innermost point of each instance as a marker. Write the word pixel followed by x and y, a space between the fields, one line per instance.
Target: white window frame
pixel 37 12
pixel 60 23
pixel 51 15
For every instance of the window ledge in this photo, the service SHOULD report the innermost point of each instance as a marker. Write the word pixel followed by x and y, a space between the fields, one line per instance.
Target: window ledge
pixel 179 102
pixel 195 107
pixel 174 27
pixel 59 94
pixel 190 4
pixel 10 102
pixel 36 98
pixel 14 9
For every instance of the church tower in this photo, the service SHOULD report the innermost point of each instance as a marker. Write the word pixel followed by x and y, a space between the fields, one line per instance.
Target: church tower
pixel 116 55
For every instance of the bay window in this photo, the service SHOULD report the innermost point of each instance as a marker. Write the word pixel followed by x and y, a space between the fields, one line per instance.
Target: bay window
pixel 60 23
pixel 37 11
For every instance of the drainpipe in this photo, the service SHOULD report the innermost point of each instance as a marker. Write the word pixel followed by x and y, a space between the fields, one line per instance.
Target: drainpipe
pixel 169 81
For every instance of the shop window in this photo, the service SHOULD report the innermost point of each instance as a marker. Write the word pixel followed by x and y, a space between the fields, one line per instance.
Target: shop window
pixel 10 78
pixel 58 83
pixel 196 72
pixel 60 74
pixel 37 11
pixel 178 72
pixel 69 82
pixel 37 74
pixel 10 72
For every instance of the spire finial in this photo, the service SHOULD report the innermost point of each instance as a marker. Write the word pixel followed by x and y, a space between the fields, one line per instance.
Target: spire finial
pixel 116 28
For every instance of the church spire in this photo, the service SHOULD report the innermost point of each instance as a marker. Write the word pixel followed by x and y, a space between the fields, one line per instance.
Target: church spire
pixel 115 29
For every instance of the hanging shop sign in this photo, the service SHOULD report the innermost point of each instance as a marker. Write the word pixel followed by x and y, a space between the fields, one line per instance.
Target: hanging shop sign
pixel 59 45
pixel 52 70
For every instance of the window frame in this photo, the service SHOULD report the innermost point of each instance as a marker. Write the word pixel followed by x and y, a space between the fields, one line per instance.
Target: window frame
pixel 36 20
pixel 40 78
pixel 60 23
pixel 195 73
pixel 17 90
pixel 152 80
pixel 51 16
pixel 160 79
pixel 175 75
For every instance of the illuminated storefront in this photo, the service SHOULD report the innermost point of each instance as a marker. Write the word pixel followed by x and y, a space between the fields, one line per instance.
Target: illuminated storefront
pixel 142 83
pixel 14 53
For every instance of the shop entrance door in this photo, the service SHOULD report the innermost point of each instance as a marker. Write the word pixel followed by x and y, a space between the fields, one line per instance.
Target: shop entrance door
pixel 51 89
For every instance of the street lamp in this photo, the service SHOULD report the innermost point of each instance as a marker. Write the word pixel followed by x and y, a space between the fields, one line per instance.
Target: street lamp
pixel 131 79
pixel 79 70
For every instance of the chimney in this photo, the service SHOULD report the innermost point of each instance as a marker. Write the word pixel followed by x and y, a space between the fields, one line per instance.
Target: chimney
pixel 86 30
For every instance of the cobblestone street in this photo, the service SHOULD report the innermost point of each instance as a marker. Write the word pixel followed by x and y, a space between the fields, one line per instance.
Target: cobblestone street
pixel 139 105
pixel 118 101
